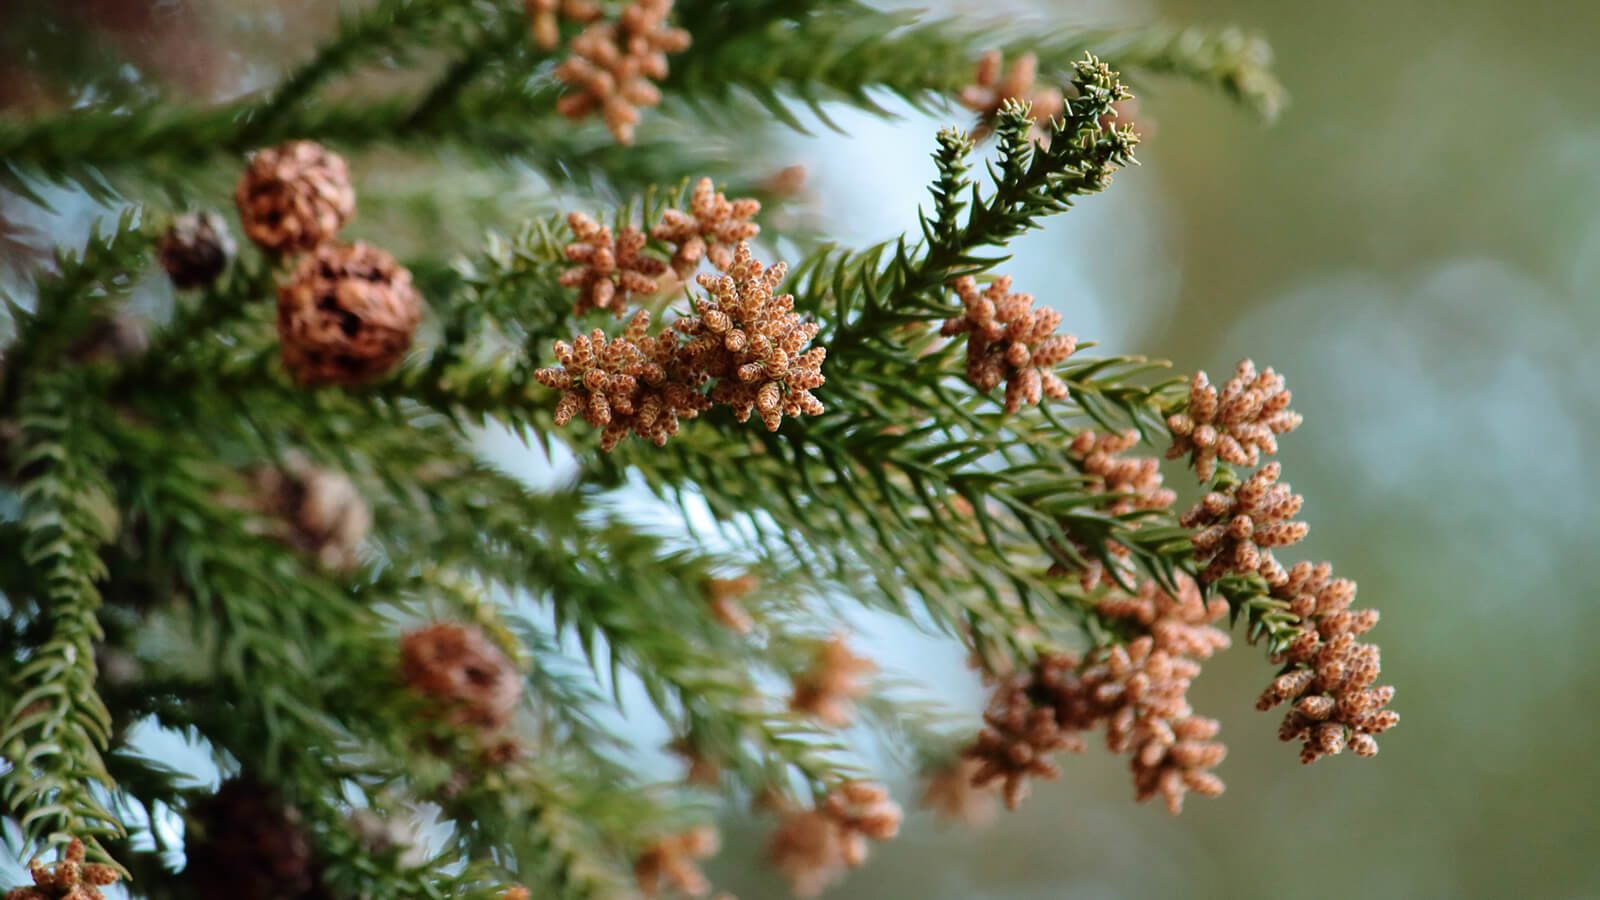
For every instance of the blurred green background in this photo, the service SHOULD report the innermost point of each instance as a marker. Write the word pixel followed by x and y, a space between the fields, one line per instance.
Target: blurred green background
pixel 1413 244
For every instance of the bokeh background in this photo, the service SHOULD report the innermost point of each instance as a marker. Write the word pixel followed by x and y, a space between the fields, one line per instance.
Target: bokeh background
pixel 1415 244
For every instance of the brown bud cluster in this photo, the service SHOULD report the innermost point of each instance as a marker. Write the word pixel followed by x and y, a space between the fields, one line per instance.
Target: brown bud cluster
pixel 1019 736
pixel 826 690
pixel 953 797
pixel 703 769
pixel 992 88
pixel 1328 674
pixel 712 227
pixel 614 65
pixel 746 342
pixel 748 338
pixel 628 385
pixel 608 269
pixel 722 596
pixel 544 18
pixel 458 666
pixel 1136 481
pixel 1009 341
pixel 69 879
pixel 1138 690
pixel 671 860
pixel 294 196
pixel 1239 527
pixel 1239 425
pixel 812 848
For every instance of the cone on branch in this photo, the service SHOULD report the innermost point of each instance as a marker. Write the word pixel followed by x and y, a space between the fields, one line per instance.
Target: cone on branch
pixel 470 678
pixel 195 249
pixel 324 514
pixel 246 843
pixel 346 315
pixel 294 196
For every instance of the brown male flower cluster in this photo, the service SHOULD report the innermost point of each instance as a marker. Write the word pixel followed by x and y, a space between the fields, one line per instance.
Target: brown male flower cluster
pixel 195 249
pixel 1010 341
pixel 627 385
pixel 747 341
pixel 460 667
pixel 952 795
pixel 671 860
pixel 826 690
pixel 812 848
pixel 722 595
pixel 1329 673
pixel 704 769
pixel 1135 481
pixel 1239 527
pixel 614 65
pixel 711 228
pixel 1019 736
pixel 608 269
pixel 748 337
pixel 69 879
pixel 1238 425
pixel 992 88
pixel 544 18
pixel 1138 690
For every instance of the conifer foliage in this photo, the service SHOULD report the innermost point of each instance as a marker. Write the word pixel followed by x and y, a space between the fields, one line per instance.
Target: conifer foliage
pixel 259 520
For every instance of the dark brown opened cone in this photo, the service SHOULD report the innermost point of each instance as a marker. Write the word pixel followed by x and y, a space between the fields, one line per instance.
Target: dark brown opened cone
pixel 195 250
pixel 346 315
pixel 294 196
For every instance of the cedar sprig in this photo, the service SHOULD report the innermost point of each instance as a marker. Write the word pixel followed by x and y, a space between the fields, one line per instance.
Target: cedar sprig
pixel 54 726
pixel 1303 612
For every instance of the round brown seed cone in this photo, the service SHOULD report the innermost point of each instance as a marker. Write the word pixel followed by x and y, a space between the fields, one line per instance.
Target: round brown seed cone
pixel 294 196
pixel 195 249
pixel 249 845
pixel 346 315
